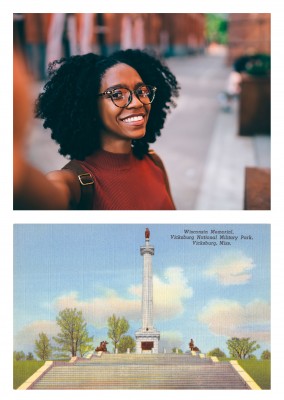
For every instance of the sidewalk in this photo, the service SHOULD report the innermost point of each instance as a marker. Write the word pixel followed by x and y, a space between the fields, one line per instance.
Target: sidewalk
pixel 222 186
pixel 206 164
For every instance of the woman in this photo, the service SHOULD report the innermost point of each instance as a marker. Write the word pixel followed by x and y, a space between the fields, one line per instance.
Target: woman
pixel 104 112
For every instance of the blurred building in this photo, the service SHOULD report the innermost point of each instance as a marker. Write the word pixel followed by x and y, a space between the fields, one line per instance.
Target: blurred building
pixel 46 37
pixel 167 34
pixel 249 49
pixel 248 34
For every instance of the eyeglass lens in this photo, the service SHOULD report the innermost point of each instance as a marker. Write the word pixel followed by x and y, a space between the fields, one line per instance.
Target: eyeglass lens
pixel 121 96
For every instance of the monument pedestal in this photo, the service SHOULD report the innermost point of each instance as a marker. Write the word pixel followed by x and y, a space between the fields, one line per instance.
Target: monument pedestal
pixel 147 341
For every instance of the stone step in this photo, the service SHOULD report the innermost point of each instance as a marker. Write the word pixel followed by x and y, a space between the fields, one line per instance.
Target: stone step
pixel 143 359
pixel 216 376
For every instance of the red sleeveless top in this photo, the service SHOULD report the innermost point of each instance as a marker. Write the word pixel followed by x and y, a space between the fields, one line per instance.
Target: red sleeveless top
pixel 123 182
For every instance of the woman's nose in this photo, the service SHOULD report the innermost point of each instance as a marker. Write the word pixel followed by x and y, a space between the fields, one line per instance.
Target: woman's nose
pixel 135 102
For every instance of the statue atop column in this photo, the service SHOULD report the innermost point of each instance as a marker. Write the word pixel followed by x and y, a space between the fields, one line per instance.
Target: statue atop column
pixel 147 233
pixel 192 346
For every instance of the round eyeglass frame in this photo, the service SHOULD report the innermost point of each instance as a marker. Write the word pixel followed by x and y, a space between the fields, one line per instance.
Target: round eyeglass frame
pixel 109 92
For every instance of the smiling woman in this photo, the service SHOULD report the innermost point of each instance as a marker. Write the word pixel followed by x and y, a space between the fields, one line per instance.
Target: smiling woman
pixel 104 112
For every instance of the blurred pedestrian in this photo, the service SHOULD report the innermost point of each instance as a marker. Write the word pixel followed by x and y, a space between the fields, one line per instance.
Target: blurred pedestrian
pixel 104 112
pixel 85 33
pixel 233 84
pixel 61 37
pixel 132 32
pixel 36 28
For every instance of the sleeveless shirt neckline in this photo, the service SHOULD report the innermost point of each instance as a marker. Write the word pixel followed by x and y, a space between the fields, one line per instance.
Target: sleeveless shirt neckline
pixel 123 182
pixel 103 159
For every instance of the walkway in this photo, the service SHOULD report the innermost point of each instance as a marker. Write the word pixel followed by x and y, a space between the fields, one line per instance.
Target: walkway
pixel 204 155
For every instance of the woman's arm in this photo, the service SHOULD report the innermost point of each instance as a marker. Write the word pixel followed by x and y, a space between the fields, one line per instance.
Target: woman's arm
pixel 58 190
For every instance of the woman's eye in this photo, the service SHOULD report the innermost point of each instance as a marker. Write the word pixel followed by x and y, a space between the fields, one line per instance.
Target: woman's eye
pixel 117 95
pixel 143 92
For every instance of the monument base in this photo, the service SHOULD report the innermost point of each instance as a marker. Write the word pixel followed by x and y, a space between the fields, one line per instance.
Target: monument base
pixel 147 341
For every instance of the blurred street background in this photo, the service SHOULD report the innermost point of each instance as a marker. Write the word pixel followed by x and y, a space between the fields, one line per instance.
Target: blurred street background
pixel 216 143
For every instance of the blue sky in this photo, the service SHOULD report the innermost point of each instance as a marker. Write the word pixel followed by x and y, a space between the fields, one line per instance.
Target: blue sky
pixel 205 292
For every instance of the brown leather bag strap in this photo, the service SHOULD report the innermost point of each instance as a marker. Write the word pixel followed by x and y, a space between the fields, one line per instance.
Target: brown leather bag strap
pixel 87 185
pixel 156 159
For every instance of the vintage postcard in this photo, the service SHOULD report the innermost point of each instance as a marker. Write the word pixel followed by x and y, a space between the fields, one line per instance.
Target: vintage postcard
pixel 141 306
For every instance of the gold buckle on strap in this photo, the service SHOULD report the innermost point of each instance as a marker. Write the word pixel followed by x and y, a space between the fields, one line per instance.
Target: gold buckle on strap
pixel 86 182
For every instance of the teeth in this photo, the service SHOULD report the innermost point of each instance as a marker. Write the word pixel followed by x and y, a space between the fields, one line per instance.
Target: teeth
pixel 133 119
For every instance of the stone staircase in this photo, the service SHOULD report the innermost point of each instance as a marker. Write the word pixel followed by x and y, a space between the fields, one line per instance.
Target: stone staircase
pixel 142 359
pixel 131 371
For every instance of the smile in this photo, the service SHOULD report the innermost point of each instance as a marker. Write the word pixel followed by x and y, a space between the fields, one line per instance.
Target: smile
pixel 134 119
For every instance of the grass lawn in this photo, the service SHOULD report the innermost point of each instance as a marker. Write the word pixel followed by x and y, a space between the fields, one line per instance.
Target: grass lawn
pixel 259 370
pixel 23 370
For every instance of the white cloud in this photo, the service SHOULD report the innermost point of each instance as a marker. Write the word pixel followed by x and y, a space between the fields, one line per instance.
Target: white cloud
pixel 230 318
pixel 97 310
pixel 231 269
pixel 168 294
pixel 25 338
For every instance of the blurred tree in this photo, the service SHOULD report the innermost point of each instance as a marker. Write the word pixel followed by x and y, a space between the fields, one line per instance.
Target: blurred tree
pixel 126 342
pixel 241 347
pixel 30 356
pixel 216 353
pixel 216 28
pixel 116 328
pixel 19 356
pixel 265 355
pixel 252 357
pixel 176 349
pixel 84 343
pixel 73 336
pixel 43 347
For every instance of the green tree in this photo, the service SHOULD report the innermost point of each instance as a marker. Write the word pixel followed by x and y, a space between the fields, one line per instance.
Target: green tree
pixel 85 344
pixel 117 327
pixel 19 356
pixel 216 28
pixel 176 349
pixel 241 348
pixel 216 353
pixel 43 347
pixel 73 336
pixel 126 342
pixel 265 355
pixel 252 357
pixel 30 356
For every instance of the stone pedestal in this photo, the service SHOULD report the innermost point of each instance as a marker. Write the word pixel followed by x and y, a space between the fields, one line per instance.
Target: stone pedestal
pixel 147 341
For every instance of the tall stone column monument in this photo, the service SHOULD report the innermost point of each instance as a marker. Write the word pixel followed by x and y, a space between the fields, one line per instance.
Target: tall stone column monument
pixel 147 337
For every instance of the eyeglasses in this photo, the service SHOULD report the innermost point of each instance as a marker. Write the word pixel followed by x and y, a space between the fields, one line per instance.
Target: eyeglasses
pixel 122 96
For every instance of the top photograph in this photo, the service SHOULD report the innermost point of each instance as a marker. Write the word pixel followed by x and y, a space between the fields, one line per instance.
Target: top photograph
pixel 141 111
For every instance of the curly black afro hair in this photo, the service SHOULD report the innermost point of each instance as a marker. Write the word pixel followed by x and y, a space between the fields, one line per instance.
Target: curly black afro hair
pixel 69 103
